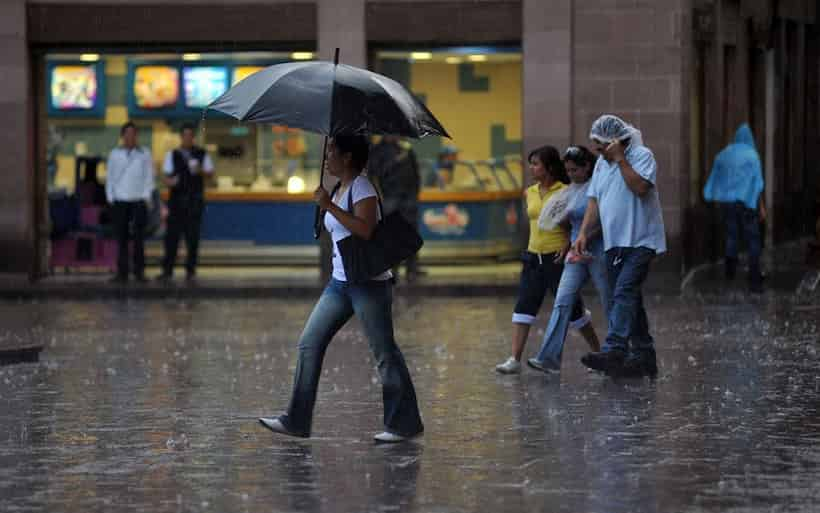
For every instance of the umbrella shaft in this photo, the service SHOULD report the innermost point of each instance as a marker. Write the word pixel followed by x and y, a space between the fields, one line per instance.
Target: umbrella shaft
pixel 317 215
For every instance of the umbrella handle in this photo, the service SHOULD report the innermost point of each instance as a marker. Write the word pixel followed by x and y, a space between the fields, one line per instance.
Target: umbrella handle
pixel 317 214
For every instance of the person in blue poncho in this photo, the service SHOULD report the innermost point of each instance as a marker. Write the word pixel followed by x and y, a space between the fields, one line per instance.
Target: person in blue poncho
pixel 736 183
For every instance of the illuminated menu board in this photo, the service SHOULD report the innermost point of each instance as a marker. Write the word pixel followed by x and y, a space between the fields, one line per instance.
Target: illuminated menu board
pixel 242 72
pixel 75 89
pixel 156 87
pixel 204 84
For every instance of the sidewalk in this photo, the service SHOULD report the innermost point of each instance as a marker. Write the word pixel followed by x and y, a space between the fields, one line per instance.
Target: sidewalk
pixel 785 267
pixel 491 279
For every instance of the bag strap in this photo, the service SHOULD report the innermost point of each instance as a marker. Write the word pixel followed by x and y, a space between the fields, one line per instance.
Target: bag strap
pixel 332 193
pixel 350 201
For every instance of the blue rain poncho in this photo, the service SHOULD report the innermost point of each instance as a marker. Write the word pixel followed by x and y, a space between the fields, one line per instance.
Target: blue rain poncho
pixel 737 174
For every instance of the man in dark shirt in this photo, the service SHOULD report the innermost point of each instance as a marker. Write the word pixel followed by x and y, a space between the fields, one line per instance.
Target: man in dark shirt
pixel 185 170
pixel 395 171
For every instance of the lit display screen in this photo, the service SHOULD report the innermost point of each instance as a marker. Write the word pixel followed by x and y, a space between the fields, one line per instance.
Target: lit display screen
pixel 242 72
pixel 74 87
pixel 156 87
pixel 204 84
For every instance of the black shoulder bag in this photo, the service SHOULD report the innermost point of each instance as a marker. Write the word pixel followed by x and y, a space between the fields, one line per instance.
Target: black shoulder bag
pixel 393 240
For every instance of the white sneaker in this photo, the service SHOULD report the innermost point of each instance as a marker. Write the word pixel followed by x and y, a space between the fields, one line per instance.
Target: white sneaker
pixel 274 424
pixel 389 438
pixel 511 366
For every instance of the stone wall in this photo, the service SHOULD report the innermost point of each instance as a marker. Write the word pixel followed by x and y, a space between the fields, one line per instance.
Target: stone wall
pixel 630 59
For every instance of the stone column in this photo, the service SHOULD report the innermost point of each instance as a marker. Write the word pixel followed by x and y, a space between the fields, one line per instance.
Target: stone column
pixel 17 238
pixel 547 73
pixel 630 59
pixel 341 25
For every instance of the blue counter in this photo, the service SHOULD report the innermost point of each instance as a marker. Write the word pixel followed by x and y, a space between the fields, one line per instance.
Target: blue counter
pixel 453 225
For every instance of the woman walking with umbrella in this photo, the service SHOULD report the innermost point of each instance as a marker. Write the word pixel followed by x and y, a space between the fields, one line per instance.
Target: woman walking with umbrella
pixel 346 104
pixel 370 301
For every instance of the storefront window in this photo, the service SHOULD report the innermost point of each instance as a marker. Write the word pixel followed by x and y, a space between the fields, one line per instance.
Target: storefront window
pixel 90 96
pixel 476 94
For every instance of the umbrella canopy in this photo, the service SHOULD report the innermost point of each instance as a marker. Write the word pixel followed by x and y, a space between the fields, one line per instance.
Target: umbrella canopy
pixel 329 99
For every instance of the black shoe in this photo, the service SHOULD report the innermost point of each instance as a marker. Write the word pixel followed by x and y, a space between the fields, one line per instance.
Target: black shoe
pixel 165 277
pixel 118 280
pixel 610 362
pixel 756 284
pixel 190 278
pixel 639 364
pixel 140 278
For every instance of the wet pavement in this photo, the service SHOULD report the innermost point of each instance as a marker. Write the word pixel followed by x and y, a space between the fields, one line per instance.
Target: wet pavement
pixel 151 405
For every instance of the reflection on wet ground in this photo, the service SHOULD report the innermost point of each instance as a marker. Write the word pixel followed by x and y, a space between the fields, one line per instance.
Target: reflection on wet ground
pixel 151 406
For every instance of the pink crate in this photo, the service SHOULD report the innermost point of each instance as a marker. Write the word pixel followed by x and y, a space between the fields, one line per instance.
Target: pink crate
pixel 103 253
pixel 90 216
pixel 63 252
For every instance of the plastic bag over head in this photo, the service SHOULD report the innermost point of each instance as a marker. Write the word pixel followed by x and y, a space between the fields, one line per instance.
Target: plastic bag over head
pixel 609 128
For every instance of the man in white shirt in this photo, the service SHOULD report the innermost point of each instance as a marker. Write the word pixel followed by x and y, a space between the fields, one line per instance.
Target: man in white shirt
pixel 185 170
pixel 128 187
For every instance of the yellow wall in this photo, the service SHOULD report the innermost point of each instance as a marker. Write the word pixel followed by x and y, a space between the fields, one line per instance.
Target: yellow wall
pixel 468 115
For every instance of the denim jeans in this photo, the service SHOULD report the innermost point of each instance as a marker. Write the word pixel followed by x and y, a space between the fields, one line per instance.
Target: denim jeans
pixel 573 279
pixel 740 219
pixel 627 269
pixel 372 303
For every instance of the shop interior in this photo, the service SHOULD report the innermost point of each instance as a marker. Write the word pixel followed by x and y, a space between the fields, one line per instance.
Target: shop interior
pixel 264 174
pixel 475 92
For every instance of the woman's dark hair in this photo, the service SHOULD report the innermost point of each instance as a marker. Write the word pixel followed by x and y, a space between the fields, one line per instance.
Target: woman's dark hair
pixel 549 156
pixel 358 146
pixel 187 126
pixel 581 156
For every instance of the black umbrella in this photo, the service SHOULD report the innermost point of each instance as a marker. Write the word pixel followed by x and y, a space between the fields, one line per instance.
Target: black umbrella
pixel 328 98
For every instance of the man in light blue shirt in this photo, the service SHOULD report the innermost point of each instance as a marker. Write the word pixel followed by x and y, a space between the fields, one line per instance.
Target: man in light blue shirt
pixel 622 197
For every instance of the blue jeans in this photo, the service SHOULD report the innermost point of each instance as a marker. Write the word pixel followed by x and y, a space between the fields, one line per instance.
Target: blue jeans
pixel 740 219
pixel 573 279
pixel 372 302
pixel 627 269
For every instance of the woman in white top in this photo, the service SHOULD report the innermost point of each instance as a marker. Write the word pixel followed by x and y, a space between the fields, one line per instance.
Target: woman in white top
pixel 371 302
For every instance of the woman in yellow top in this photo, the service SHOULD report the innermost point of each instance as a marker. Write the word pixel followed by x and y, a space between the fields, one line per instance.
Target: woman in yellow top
pixel 543 262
